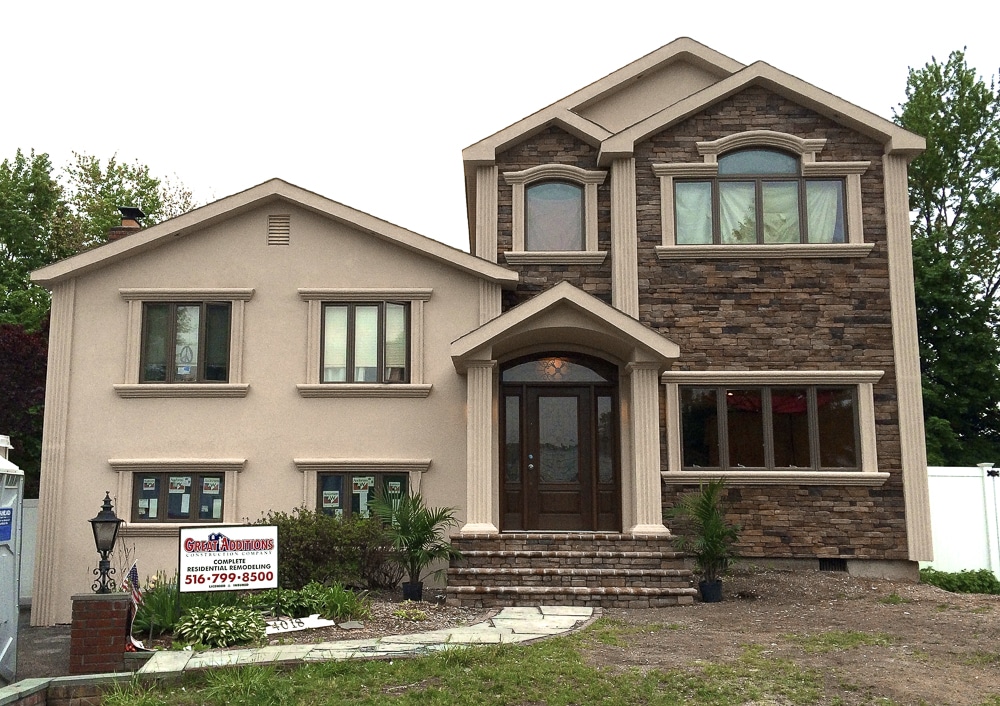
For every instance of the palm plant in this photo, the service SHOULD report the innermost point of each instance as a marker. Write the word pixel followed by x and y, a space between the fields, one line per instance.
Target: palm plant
pixel 416 532
pixel 711 541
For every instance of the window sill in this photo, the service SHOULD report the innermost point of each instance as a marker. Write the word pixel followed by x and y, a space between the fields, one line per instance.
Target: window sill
pixel 556 258
pixel 146 390
pixel 723 252
pixel 164 529
pixel 363 390
pixel 741 479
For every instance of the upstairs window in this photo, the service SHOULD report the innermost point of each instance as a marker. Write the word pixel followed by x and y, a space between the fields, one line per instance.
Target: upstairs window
pixel 185 342
pixel 553 216
pixel 759 197
pixel 365 342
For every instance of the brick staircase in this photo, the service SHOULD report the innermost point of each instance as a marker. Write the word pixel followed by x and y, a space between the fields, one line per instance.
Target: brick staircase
pixel 568 568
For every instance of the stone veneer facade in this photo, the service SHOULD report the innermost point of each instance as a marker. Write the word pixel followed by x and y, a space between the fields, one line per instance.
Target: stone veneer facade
pixel 756 314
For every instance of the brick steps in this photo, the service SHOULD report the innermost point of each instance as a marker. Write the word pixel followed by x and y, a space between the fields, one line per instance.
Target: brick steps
pixel 577 568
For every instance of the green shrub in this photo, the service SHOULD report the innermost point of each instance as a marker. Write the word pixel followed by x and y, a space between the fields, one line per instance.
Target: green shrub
pixel 221 626
pixel 318 547
pixel 331 602
pixel 981 581
pixel 340 603
pixel 158 612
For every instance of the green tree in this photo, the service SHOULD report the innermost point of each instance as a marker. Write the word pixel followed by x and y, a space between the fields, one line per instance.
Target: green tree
pixel 956 253
pixel 95 191
pixel 36 228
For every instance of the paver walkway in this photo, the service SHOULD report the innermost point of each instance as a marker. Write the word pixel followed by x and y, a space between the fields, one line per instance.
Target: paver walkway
pixel 510 625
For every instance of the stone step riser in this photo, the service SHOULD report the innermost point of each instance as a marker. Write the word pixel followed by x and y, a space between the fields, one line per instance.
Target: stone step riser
pixel 565 582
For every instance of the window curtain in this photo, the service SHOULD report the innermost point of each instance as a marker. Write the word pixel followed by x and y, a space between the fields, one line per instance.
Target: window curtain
pixel 395 342
pixel 825 208
pixel 781 212
pixel 365 343
pixel 553 217
pixel 335 344
pixel 737 212
pixel 693 205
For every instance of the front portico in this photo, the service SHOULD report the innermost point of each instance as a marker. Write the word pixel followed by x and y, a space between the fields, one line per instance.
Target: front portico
pixel 564 321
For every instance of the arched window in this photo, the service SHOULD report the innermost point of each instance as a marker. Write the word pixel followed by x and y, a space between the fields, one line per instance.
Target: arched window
pixel 553 216
pixel 759 197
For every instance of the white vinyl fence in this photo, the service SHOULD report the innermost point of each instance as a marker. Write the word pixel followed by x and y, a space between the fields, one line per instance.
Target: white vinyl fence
pixel 964 503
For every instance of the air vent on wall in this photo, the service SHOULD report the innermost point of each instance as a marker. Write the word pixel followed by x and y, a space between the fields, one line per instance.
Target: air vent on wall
pixel 833 564
pixel 279 229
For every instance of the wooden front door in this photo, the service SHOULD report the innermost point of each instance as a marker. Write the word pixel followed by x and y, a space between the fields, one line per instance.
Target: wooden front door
pixel 559 459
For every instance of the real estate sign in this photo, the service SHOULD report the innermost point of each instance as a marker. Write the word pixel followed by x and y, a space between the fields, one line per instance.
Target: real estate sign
pixel 228 558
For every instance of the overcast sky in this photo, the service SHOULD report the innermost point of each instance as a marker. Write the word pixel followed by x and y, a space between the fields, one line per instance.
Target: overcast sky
pixel 371 104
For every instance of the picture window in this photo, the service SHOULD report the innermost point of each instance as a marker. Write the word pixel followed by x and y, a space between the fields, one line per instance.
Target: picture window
pixel 349 494
pixel 185 342
pixel 178 497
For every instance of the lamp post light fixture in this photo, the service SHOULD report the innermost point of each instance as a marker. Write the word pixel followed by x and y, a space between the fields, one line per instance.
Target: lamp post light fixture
pixel 105 527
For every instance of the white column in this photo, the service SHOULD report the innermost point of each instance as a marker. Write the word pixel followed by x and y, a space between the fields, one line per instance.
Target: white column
pixel 624 245
pixel 645 500
pixel 916 496
pixel 479 444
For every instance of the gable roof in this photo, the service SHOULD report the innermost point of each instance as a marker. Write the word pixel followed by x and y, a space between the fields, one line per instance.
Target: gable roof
pixel 270 191
pixel 590 322
pixel 685 77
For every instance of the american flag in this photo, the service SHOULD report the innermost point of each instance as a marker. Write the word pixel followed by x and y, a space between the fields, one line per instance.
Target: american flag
pixel 131 584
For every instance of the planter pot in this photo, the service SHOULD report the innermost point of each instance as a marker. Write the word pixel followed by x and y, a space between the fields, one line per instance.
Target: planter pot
pixel 413 591
pixel 711 591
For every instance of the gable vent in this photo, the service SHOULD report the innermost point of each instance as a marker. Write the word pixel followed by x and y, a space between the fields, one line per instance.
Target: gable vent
pixel 279 229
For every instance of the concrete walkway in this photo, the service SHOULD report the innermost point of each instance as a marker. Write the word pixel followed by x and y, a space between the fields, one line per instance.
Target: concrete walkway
pixel 510 625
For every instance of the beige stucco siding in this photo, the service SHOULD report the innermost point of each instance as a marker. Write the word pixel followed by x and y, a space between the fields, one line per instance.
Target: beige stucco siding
pixel 273 424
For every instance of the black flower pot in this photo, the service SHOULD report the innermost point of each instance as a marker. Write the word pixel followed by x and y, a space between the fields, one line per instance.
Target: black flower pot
pixel 413 591
pixel 711 591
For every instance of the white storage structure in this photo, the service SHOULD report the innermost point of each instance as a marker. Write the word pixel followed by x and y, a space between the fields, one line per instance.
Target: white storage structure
pixel 11 499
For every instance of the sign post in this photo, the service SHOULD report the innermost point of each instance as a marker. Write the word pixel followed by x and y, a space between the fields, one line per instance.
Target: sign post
pixel 231 558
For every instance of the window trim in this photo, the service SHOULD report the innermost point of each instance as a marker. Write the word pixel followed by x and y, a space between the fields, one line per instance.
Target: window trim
pixel 127 469
pixel 519 181
pixel 864 380
pixel 312 467
pixel 807 150
pixel 137 297
pixel 315 298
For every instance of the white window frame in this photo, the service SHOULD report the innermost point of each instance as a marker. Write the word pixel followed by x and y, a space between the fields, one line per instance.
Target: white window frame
pixel 127 469
pixel 132 388
pixel 807 150
pixel 315 298
pixel 590 180
pixel 864 380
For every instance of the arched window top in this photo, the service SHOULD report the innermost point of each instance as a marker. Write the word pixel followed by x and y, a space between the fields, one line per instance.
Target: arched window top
pixel 554 216
pixel 559 367
pixel 758 161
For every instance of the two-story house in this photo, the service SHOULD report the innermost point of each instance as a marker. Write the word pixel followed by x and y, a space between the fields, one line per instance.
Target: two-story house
pixel 690 269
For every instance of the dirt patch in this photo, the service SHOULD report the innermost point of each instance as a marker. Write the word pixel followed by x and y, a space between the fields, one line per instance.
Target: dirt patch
pixel 941 648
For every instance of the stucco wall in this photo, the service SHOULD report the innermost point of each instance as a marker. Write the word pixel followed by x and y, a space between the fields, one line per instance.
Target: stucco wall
pixel 273 424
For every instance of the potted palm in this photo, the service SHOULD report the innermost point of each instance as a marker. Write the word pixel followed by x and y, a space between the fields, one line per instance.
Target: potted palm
pixel 711 540
pixel 416 533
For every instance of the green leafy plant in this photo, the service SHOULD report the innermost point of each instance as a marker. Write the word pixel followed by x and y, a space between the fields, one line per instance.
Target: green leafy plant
pixel 416 532
pixel 409 611
pixel 339 603
pixel 326 549
pixel 981 581
pixel 711 539
pixel 221 626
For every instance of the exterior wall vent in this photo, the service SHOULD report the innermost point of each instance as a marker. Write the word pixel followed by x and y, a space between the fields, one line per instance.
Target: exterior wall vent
pixel 833 564
pixel 279 229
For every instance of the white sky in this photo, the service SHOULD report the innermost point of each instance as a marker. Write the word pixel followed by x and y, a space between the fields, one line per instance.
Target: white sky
pixel 371 104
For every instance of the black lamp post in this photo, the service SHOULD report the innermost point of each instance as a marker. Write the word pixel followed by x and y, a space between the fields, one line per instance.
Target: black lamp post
pixel 105 526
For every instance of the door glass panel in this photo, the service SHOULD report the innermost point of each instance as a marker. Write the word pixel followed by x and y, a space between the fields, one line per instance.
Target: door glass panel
pixel 558 440
pixel 186 352
pixel 512 451
pixel 605 441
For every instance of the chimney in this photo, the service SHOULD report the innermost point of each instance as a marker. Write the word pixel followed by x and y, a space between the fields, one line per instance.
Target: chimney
pixel 130 223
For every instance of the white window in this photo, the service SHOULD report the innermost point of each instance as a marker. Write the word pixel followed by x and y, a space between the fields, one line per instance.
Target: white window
pixel 761 194
pixel 554 212
pixel 365 343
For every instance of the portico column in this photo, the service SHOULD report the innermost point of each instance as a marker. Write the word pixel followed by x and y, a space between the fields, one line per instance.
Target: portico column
pixel 645 501
pixel 479 444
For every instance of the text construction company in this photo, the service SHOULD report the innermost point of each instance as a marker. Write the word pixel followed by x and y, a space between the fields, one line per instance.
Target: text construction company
pixel 228 558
